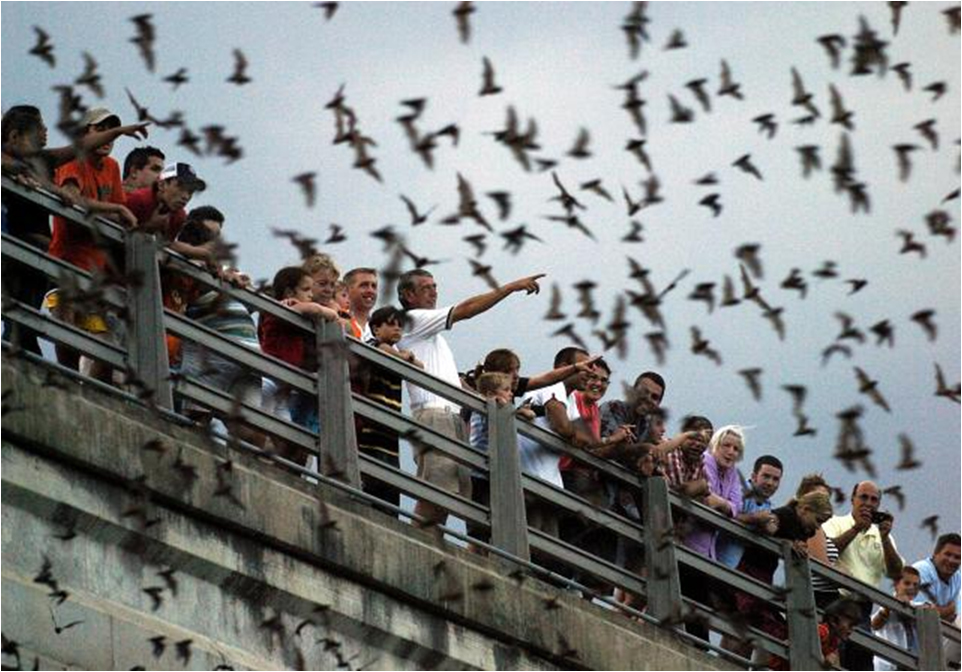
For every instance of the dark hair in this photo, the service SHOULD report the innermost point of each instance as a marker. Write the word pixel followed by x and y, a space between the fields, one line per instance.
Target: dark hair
pixel 21 119
pixel 386 315
pixel 908 569
pixel 406 283
pixel 809 482
pixel 770 460
pixel 287 280
pixel 694 423
pixel 138 158
pixel 950 539
pixel 350 275
pixel 844 607
pixel 566 356
pixel 194 232
pixel 656 379
pixel 497 361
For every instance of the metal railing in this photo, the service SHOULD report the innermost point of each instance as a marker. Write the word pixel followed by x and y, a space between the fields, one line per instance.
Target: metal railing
pixel 145 360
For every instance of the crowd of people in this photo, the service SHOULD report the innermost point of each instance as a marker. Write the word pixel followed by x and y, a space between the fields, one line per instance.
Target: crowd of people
pixel 151 193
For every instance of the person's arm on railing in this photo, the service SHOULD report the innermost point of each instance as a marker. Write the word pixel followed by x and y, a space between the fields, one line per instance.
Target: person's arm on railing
pixel 113 211
pixel 610 447
pixel 310 309
pixel 482 302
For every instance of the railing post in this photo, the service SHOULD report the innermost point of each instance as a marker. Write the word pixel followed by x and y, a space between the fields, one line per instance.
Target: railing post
pixel 335 412
pixel 509 523
pixel 928 627
pixel 664 589
pixel 146 344
pixel 804 648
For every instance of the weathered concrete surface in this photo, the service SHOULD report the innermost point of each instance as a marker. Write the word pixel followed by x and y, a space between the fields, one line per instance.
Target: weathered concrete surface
pixel 140 494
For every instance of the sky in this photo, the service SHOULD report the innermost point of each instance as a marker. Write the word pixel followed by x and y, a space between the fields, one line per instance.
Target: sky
pixel 559 63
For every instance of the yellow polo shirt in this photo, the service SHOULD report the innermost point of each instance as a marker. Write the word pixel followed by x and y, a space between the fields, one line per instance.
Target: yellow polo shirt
pixel 863 558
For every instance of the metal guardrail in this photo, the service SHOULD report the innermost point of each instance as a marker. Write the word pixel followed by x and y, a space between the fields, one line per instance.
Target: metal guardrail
pixel 146 358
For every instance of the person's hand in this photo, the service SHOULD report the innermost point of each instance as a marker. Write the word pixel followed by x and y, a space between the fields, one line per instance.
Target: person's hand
pixel 863 523
pixel 125 216
pixel 885 527
pixel 587 364
pixel 699 488
pixel 800 547
pixel 764 518
pixel 159 219
pixel 528 285
pixel 525 413
pixel 623 433
pixel 136 131
pixel 289 302
pixel 235 277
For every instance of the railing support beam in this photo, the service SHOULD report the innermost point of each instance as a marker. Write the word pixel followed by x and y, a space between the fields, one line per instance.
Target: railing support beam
pixel 509 523
pixel 337 442
pixel 805 650
pixel 664 588
pixel 146 345
pixel 929 632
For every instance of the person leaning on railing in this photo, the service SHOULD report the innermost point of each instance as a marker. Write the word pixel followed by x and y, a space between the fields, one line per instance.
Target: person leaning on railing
pixel 940 577
pixel 27 160
pixel 92 179
pixel 797 523
pixel 293 287
pixel 821 547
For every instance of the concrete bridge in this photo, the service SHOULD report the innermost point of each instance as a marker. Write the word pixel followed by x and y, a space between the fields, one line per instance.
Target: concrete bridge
pixel 268 570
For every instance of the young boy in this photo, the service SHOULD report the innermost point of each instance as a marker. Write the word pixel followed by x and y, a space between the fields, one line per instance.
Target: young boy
pixel 384 387
pixel 293 286
pixel 341 297
pixel 325 275
pixel 500 387
pixel 893 627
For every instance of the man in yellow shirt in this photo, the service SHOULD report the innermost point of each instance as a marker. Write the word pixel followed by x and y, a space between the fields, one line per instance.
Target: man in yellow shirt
pixel 867 552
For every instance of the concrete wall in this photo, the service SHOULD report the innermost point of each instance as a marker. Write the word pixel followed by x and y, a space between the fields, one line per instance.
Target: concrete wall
pixel 274 574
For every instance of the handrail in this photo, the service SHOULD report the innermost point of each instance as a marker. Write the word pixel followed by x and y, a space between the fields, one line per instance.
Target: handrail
pixel 99 225
pixel 507 527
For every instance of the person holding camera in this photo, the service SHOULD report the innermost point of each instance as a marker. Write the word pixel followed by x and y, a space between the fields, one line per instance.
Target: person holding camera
pixel 867 551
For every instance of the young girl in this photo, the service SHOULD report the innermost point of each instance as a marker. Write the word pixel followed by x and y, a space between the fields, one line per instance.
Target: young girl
pixel 293 287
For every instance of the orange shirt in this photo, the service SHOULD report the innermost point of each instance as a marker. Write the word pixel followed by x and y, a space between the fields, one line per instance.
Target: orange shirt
pixel 72 242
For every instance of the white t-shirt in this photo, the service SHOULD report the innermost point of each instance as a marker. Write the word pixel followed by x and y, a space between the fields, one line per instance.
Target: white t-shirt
pixel 423 337
pixel 536 459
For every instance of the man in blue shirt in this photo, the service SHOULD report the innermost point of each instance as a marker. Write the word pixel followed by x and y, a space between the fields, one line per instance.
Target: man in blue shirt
pixel 940 577
pixel 756 506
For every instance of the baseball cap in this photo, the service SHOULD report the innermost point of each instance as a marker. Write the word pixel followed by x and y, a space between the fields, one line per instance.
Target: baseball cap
pixel 98 115
pixel 185 175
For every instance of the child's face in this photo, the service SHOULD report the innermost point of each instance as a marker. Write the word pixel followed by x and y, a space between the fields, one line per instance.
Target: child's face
pixel 502 395
pixel 325 281
pixel 657 432
pixel 304 290
pixel 907 588
pixel 342 299
pixel 389 332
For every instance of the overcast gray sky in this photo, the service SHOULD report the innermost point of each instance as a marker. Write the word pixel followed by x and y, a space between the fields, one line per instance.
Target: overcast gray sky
pixel 558 63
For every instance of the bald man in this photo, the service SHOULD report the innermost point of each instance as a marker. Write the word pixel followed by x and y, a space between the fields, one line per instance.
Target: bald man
pixel 867 551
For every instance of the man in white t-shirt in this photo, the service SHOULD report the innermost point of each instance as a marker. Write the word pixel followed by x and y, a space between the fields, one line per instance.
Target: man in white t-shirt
pixel 418 294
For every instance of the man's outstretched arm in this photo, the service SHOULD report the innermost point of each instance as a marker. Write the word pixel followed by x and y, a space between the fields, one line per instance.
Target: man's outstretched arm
pixel 482 302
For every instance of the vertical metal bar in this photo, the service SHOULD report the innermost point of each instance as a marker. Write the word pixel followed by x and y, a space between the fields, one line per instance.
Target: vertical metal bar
pixel 146 345
pixel 804 648
pixel 929 634
pixel 509 523
pixel 337 442
pixel 664 588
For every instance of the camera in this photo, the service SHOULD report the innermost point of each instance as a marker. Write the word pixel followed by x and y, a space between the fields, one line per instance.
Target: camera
pixel 879 517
